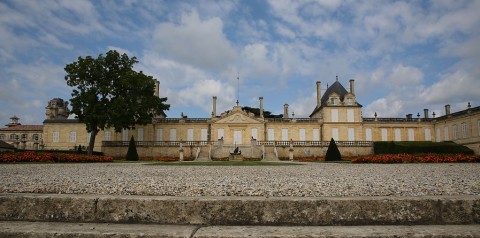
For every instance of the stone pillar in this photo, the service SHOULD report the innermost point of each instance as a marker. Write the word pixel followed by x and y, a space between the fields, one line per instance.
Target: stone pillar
pixel 319 94
pixel 290 151
pixel 214 111
pixel 261 106
pixel 447 109
pixel 285 111
pixel 352 86
pixel 157 88
pixel 425 112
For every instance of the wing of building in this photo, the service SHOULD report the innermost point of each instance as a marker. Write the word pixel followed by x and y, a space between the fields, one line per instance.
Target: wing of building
pixel 337 114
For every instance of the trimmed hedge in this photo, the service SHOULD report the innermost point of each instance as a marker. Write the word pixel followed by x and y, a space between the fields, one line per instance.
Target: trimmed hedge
pixel 420 147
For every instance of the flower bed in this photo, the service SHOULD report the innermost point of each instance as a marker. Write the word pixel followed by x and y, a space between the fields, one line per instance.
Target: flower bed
pixel 31 156
pixel 425 158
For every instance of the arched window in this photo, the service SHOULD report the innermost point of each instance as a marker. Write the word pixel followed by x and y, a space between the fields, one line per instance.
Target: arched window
pixel 35 137
pixel 24 137
pixel 2 137
pixel 13 137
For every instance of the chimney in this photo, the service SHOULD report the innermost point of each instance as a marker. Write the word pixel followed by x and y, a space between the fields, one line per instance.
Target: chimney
pixel 261 106
pixel 214 111
pixel 157 88
pixel 319 94
pixel 285 111
pixel 352 86
pixel 447 109
pixel 425 112
pixel 409 116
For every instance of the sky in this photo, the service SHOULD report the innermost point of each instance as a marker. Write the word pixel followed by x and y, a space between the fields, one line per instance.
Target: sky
pixel 403 55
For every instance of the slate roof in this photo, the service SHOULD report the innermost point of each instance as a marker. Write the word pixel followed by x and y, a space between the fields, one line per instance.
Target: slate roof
pixel 337 88
pixel 23 128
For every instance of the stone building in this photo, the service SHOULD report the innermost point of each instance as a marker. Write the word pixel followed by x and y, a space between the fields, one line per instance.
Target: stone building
pixel 22 136
pixel 337 115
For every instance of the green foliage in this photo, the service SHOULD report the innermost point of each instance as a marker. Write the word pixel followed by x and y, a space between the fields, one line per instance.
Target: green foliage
pixel 132 154
pixel 266 114
pixel 108 93
pixel 420 147
pixel 333 154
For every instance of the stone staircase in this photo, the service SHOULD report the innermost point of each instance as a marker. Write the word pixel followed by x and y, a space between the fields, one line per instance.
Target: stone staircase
pixel 67 215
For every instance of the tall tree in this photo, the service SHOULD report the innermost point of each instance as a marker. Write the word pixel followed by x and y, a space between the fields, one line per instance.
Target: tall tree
pixel 108 93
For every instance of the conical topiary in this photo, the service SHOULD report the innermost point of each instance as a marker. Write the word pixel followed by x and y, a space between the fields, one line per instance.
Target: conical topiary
pixel 333 154
pixel 132 154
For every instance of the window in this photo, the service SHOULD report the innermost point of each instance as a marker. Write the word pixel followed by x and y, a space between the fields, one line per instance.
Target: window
pixel 334 115
pixel 335 134
pixel 316 134
pixel 368 134
pixel 89 134
pixel 107 136
pixel 398 134
pixel 124 135
pixel 454 132
pixel 255 133
pixel 13 137
pixel 35 137
pixel 140 134
pixel 301 133
pixel 284 134
pixel 411 134
pixel 56 136
pixel 190 134
pixel 350 115
pixel 203 134
pixel 350 101
pixel 464 130
pixel 24 137
pixel 333 101
pixel 437 135
pixel 73 136
pixel 2 137
pixel 173 134
pixel 220 133
pixel 159 135
pixel 351 134
pixel 271 134
pixel 384 134
pixel 478 127
pixel 446 133
pixel 428 135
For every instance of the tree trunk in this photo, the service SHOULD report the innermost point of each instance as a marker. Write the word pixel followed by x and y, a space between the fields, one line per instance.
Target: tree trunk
pixel 93 134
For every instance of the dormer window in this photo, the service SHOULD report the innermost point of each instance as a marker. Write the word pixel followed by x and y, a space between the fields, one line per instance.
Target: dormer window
pixel 349 101
pixel 333 101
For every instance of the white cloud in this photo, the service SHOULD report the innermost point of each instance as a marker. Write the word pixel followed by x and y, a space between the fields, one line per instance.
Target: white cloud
pixel 195 42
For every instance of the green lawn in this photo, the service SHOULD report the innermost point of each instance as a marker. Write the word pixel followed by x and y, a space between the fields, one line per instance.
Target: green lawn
pixel 223 163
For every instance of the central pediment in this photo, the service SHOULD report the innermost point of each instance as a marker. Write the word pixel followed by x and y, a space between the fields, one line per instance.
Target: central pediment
pixel 238 116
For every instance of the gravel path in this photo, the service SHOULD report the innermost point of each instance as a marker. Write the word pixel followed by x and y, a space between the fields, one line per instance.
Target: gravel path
pixel 309 180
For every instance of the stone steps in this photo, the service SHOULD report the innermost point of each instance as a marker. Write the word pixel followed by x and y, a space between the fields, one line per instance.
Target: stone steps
pixel 17 229
pixel 130 216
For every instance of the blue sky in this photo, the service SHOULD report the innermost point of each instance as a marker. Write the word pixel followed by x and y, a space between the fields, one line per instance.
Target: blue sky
pixel 404 55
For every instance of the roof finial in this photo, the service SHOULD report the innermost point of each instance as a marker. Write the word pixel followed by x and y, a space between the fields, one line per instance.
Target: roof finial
pixel 337 77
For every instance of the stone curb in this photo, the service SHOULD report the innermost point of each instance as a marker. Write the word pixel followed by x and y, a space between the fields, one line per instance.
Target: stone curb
pixel 16 229
pixel 242 211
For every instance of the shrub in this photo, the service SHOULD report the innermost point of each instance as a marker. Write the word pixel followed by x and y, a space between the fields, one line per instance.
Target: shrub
pixel 132 154
pixel 31 156
pixel 333 154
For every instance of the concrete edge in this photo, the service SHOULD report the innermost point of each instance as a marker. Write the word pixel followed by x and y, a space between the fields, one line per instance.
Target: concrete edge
pixel 297 211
